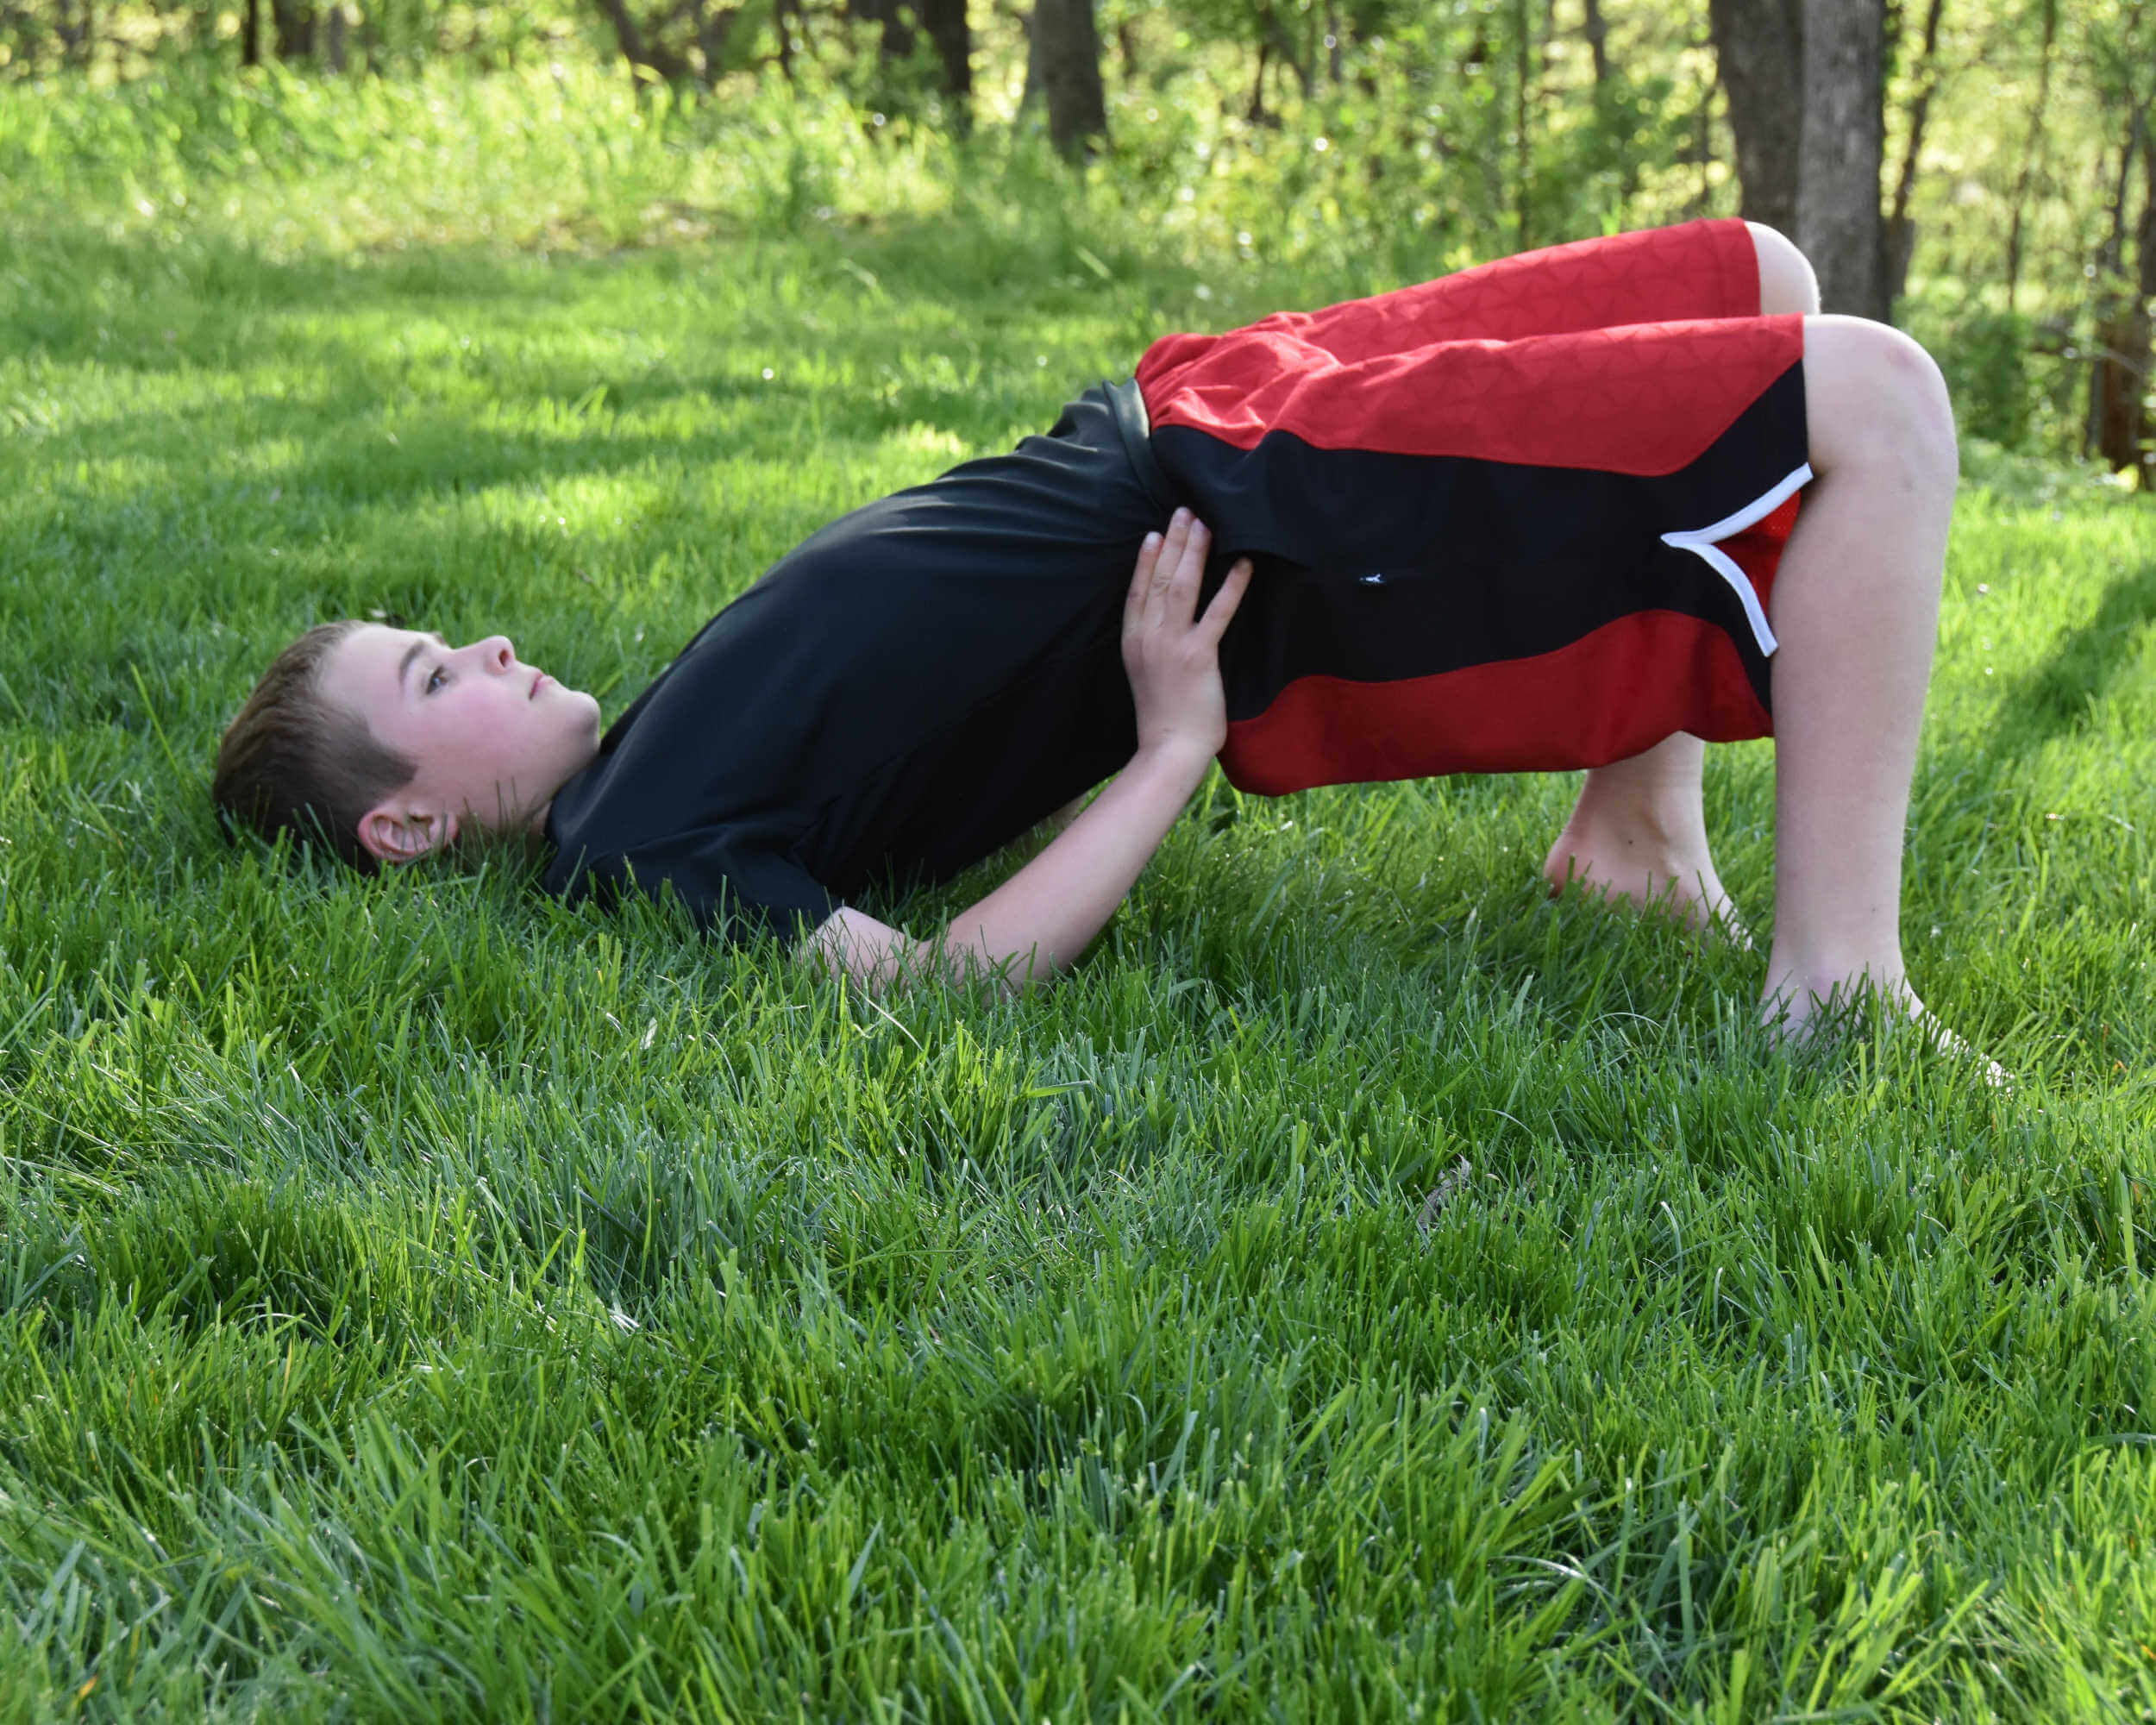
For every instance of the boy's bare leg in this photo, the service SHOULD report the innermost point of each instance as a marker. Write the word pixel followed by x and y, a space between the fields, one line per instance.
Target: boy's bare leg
pixel 1855 607
pixel 1639 832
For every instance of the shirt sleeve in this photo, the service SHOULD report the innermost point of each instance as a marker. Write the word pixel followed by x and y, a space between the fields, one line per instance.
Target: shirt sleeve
pixel 734 887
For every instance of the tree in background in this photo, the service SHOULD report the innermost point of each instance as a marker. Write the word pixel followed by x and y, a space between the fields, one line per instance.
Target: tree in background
pixel 1389 138
pixel 2121 383
pixel 75 25
pixel 952 37
pixel 1806 81
pixel 2033 149
pixel 293 22
pixel 1901 226
pixel 1064 64
pixel 1840 148
pixel 1760 49
pixel 2116 429
pixel 680 42
pixel 1261 31
pixel 902 23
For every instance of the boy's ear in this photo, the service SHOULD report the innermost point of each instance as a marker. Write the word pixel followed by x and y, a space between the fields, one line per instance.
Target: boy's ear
pixel 389 833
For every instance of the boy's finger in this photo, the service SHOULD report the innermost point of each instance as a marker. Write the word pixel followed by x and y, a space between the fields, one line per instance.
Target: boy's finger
pixel 1221 611
pixel 1180 591
pixel 1167 546
pixel 1171 548
pixel 1142 576
pixel 1175 547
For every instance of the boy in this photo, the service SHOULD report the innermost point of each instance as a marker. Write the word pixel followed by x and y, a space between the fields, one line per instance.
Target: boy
pixel 1542 514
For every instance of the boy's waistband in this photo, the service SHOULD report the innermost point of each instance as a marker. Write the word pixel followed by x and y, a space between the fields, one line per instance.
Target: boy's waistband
pixel 1135 426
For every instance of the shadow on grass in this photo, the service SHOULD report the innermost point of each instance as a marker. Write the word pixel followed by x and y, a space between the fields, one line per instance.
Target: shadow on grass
pixel 2056 697
pixel 507 411
pixel 79 292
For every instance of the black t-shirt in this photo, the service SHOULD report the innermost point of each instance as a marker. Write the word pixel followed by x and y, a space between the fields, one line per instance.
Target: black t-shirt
pixel 914 686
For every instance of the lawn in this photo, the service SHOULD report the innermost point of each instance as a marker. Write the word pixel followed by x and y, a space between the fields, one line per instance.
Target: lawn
pixel 1364 1289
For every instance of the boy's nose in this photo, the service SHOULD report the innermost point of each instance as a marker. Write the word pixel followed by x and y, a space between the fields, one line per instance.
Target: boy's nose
pixel 496 653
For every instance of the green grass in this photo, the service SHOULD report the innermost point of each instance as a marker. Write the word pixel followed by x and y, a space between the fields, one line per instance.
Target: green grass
pixel 417 1300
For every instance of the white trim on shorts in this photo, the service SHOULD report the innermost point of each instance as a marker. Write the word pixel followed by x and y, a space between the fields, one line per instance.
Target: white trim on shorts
pixel 1702 540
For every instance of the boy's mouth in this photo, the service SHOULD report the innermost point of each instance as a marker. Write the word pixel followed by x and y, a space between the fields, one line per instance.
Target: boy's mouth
pixel 537 683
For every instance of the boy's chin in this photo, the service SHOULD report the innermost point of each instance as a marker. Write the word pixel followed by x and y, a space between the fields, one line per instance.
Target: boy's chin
pixel 588 705
pixel 594 728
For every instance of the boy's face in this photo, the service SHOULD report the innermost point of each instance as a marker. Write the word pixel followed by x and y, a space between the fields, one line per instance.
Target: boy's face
pixel 493 738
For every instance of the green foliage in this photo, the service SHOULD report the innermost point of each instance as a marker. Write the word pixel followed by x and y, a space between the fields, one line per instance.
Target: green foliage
pixel 2020 132
pixel 1410 161
pixel 1984 356
pixel 1370 140
pixel 417 1300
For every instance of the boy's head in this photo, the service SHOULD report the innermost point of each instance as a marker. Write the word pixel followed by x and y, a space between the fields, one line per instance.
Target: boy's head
pixel 386 742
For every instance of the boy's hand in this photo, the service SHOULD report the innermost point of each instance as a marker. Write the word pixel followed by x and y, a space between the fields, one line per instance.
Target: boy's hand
pixel 1172 654
pixel 1038 921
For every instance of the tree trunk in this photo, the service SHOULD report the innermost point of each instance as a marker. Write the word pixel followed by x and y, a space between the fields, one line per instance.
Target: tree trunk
pixel 1523 153
pixel 1703 157
pixel 1284 47
pixel 945 22
pixel 1066 50
pixel 2144 349
pixel 712 26
pixel 636 50
pixel 2031 152
pixel 1838 224
pixel 1901 231
pixel 251 35
pixel 335 51
pixel 2118 386
pixel 1597 33
pixel 294 21
pixel 1759 50
pixel 2115 389
pixel 77 31
pixel 896 41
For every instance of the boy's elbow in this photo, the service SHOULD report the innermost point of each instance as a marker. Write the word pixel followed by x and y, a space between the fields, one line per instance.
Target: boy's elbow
pixel 974 962
pixel 957 960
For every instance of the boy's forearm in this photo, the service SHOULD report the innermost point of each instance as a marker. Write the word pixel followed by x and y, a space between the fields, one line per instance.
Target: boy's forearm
pixel 1037 923
pixel 1040 920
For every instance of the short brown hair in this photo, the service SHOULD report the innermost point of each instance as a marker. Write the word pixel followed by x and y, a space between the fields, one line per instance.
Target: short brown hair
pixel 292 762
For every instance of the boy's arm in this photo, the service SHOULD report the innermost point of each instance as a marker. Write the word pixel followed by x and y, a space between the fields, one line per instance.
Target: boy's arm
pixel 1038 921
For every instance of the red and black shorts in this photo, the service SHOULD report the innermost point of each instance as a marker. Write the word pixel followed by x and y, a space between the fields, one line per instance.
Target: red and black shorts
pixel 1522 518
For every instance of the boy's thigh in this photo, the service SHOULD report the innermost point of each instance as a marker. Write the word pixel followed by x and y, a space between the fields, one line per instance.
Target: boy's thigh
pixel 1707 269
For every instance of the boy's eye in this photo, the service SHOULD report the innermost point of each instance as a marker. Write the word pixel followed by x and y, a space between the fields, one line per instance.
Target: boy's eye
pixel 434 680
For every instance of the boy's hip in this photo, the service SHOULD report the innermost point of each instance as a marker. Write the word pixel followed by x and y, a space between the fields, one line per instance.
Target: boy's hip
pixel 1414 615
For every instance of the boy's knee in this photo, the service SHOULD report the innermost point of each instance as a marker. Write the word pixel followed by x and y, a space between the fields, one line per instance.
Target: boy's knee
pixel 1787 283
pixel 1876 396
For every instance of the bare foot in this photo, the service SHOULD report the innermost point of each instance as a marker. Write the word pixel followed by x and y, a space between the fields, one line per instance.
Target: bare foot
pixel 1646 867
pixel 1799 1012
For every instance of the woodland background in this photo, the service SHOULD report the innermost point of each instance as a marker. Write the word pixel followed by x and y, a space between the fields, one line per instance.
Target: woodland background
pixel 1980 170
